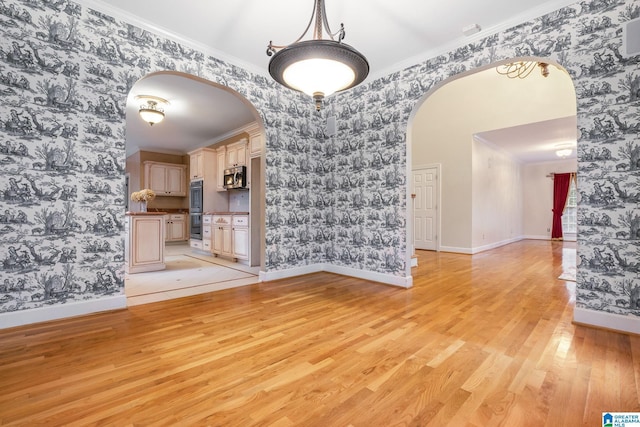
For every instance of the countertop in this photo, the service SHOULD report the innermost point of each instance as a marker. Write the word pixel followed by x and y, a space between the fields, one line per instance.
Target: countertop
pixel 145 213
pixel 226 213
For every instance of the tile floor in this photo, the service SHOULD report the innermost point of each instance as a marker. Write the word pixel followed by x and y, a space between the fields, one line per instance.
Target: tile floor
pixel 188 273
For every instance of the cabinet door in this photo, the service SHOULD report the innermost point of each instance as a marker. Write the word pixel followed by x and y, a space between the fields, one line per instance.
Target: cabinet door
pixel 178 230
pixel 241 242
pixel 232 157
pixel 218 237
pixel 241 153
pixel 175 182
pixel 156 175
pixel 221 166
pixel 226 241
pixel 255 145
pixel 195 165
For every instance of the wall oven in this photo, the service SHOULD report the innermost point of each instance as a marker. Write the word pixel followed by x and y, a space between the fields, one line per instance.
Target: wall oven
pixel 195 209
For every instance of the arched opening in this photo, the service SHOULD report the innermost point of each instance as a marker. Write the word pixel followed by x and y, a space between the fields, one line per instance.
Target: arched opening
pixel 482 131
pixel 203 122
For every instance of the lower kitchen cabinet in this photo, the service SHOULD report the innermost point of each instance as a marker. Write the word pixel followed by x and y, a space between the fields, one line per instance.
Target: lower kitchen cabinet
pixel 175 228
pixel 207 234
pixel 144 244
pixel 230 236
pixel 240 236
pixel 222 235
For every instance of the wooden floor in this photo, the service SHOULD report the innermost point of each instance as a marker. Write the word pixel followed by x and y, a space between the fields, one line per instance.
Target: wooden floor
pixel 479 340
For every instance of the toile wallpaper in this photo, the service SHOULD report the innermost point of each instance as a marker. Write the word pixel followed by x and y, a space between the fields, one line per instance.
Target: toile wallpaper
pixel 65 71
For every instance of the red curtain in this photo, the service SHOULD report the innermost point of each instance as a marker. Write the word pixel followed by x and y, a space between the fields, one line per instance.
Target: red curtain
pixel 561 182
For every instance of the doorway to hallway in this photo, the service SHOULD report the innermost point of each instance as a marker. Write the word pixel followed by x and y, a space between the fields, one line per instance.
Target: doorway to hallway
pixel 425 208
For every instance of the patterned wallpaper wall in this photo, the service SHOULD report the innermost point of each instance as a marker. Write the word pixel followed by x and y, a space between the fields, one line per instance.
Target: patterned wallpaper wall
pixel 65 70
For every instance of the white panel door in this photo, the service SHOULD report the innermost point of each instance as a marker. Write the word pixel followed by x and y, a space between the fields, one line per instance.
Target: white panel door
pixel 425 208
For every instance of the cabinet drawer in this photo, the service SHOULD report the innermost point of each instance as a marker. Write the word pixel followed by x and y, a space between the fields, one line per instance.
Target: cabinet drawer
pixel 206 232
pixel 206 245
pixel 241 221
pixel 196 244
pixel 176 217
pixel 207 219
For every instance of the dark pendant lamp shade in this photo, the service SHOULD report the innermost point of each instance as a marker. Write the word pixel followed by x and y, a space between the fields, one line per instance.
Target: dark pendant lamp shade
pixel 318 67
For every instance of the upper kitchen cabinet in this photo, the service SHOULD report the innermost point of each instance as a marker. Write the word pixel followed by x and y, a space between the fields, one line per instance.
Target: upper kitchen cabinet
pixel 166 179
pixel 255 141
pixel 237 153
pixel 200 161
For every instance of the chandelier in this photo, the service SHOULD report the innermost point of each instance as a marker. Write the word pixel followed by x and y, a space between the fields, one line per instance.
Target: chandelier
pixel 318 67
pixel 522 69
pixel 151 111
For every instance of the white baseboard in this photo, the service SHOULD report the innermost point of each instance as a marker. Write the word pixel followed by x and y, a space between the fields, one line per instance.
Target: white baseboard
pixel 388 279
pixel 536 237
pixel 601 319
pixel 414 261
pixel 478 249
pixel 495 245
pixel 267 276
pixel 455 250
pixel 55 312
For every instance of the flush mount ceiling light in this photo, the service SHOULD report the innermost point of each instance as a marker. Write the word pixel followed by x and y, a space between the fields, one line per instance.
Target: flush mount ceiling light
pixel 566 152
pixel 318 67
pixel 522 69
pixel 151 111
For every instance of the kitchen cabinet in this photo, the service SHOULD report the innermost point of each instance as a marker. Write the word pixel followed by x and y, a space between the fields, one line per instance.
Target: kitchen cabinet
pixel 207 233
pixel 144 243
pixel 237 154
pixel 230 236
pixel 200 161
pixel 222 237
pixel 175 227
pixel 255 141
pixel 165 179
pixel 221 165
pixel 240 236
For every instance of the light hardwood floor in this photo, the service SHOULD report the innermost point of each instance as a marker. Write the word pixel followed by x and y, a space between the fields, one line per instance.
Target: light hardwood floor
pixel 481 340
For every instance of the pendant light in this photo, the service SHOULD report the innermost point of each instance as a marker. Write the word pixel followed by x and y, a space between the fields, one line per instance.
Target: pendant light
pixel 151 111
pixel 318 67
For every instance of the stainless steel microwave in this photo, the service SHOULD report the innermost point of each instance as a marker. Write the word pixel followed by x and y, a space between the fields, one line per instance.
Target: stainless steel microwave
pixel 235 177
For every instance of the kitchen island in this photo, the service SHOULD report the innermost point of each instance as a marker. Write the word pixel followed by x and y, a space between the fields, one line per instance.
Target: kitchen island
pixel 144 243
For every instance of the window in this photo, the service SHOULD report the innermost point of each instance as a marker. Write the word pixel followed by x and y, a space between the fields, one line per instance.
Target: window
pixel 569 217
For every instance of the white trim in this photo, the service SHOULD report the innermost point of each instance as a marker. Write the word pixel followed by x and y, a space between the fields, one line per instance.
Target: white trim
pixel 388 279
pixel 536 237
pixel 62 311
pixel 266 276
pixel 456 250
pixel 414 261
pixel 601 319
pixel 402 281
pixel 494 245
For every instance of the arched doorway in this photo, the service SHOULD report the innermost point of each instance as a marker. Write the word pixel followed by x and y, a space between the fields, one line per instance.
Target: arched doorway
pixel 200 116
pixel 468 121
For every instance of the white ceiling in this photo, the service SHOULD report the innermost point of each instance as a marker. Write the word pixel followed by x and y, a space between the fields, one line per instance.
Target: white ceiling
pixel 198 114
pixel 391 34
